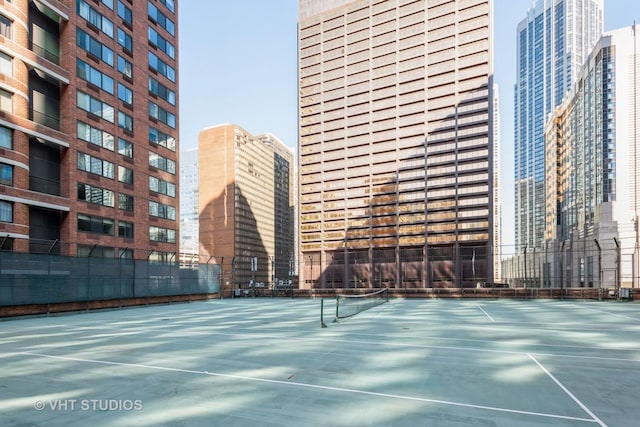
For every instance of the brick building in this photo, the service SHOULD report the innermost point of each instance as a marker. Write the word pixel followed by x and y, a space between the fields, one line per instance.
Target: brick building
pixel 88 127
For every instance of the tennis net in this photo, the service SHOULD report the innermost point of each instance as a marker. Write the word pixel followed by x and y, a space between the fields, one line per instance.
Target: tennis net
pixel 350 305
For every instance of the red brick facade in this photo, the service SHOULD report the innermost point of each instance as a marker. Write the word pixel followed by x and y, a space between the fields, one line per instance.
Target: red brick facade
pixel 27 63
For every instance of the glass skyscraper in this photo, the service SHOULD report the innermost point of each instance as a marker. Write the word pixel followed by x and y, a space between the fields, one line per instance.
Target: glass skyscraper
pixel 552 44
pixel 596 195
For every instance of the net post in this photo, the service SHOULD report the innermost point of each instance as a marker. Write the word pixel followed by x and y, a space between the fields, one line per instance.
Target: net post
pixel 335 320
pixel 322 324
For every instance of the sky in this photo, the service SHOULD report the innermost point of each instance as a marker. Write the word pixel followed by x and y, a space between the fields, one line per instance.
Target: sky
pixel 238 64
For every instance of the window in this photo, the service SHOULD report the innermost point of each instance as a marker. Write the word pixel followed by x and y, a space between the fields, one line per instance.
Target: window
pixel 6 211
pixel 125 229
pixel 169 4
pixel 95 251
pixel 125 121
pixel 161 67
pixel 125 67
pixel 94 18
pixel 6 137
pixel 6 65
pixel 5 26
pixel 125 40
pixel 161 210
pixel 161 19
pixel 160 234
pixel 160 162
pixel 95 165
pixel 6 103
pixel 125 148
pixel 94 76
pixel 162 115
pixel 125 175
pixel 96 195
pixel 95 106
pixel 161 43
pixel 95 136
pixel 125 94
pixel 94 47
pixel 125 13
pixel 162 139
pixel 94 224
pixel 158 89
pixel 6 244
pixel 125 202
pixel 6 174
pixel 125 253
pixel 162 187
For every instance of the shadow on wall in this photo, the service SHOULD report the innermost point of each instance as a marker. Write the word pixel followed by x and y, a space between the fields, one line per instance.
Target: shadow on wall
pixel 412 237
pixel 229 234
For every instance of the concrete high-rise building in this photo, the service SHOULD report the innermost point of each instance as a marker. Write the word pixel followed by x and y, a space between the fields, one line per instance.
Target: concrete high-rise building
pixel 88 126
pixel 246 218
pixel 593 194
pixel 395 151
pixel 189 207
pixel 552 44
pixel 497 188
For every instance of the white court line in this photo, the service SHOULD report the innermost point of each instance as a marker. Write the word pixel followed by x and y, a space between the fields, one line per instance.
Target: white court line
pixel 439 347
pixel 611 314
pixel 487 314
pixel 575 399
pixel 435 337
pixel 313 386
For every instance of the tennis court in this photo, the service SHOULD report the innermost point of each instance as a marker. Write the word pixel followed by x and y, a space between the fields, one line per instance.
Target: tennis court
pixel 267 362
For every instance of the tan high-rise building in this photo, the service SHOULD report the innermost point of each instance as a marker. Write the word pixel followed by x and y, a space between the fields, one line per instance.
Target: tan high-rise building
pixel 395 150
pixel 245 201
pixel 88 127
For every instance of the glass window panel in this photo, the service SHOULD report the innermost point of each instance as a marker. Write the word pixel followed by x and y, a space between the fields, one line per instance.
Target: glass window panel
pixel 6 65
pixel 6 174
pixel 6 103
pixel 6 138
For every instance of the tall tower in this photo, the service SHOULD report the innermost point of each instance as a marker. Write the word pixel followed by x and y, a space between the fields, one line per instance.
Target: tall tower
pixel 596 195
pixel 395 150
pixel 246 204
pixel 497 199
pixel 552 43
pixel 88 125
pixel 189 203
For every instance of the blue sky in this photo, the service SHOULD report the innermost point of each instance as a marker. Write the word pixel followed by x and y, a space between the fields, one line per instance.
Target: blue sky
pixel 238 64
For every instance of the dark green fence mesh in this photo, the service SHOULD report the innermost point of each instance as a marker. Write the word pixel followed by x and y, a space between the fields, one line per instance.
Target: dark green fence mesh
pixel 40 279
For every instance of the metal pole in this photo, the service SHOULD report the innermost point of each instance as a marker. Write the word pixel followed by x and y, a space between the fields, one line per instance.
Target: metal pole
pixel 562 261
pixel 599 269
pixel 233 275
pixel 220 280
pixel 618 272
pixel 122 252
pixel 322 324
pixel 526 276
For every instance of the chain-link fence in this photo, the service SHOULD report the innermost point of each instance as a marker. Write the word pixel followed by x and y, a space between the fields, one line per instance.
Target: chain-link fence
pixel 583 264
pixel 27 278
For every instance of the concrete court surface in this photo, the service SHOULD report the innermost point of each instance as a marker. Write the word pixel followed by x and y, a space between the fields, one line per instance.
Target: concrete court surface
pixel 267 362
